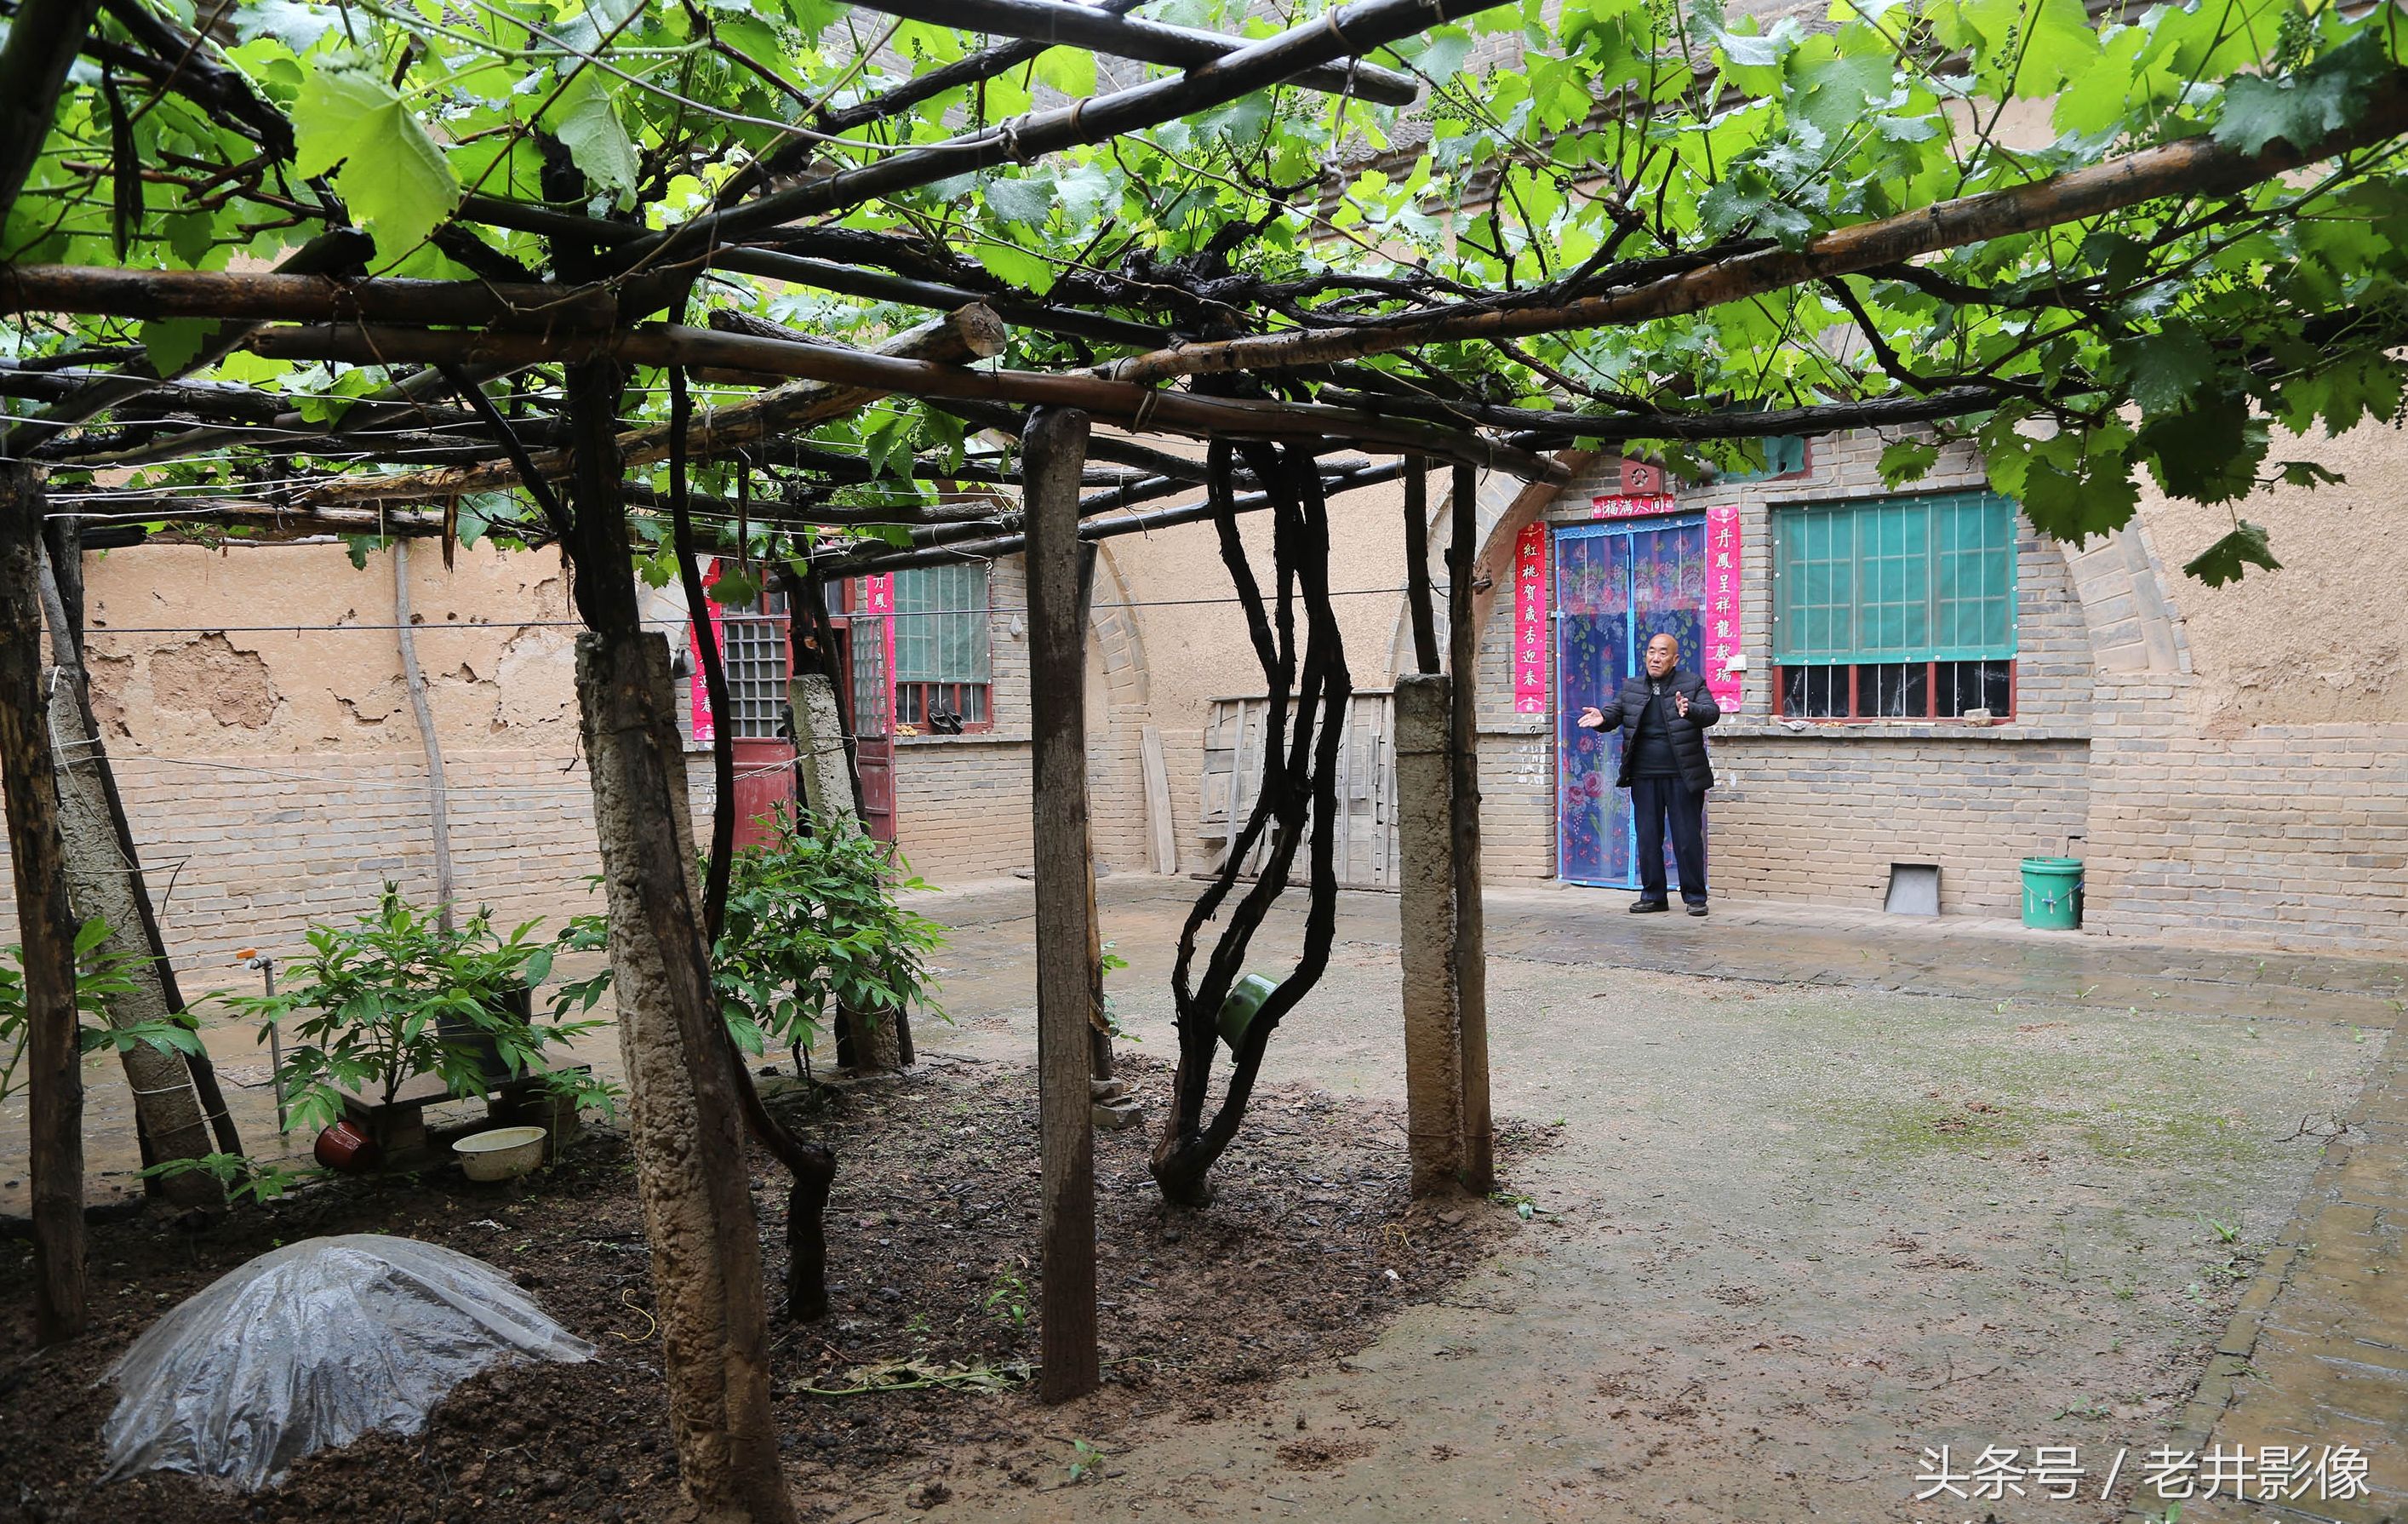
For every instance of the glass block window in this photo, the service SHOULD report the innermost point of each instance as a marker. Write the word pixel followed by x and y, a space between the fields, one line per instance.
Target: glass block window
pixel 754 655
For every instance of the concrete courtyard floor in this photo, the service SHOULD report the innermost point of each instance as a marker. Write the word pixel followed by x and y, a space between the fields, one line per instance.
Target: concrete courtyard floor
pixel 1827 1193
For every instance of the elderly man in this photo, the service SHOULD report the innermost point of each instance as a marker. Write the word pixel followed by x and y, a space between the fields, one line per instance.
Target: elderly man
pixel 1663 717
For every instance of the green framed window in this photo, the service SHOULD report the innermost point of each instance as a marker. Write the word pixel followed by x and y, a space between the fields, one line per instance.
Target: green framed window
pixel 1901 608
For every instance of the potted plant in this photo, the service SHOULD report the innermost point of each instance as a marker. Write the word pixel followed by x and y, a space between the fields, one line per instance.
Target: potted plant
pixel 394 996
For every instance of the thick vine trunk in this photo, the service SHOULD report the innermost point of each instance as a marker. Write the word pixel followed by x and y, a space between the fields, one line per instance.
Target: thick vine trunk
pixel 684 1119
pixel 45 927
pixel 1299 784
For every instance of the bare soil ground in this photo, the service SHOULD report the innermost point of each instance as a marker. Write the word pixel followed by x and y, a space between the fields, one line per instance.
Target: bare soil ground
pixel 1308 1254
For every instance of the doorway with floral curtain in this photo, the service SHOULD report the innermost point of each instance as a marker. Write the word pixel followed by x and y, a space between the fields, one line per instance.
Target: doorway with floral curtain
pixel 1617 585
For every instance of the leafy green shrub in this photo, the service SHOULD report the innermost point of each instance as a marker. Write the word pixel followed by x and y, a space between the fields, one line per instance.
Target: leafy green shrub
pixel 98 980
pixel 812 924
pixel 393 995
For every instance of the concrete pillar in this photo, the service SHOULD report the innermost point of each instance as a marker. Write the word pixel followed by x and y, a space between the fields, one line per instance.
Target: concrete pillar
pixel 819 746
pixel 1426 915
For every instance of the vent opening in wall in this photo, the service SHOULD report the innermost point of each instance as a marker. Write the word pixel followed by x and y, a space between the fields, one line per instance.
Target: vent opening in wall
pixel 1914 889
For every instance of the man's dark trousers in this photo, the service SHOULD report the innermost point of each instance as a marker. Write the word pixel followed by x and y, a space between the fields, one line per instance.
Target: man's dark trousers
pixel 1652 800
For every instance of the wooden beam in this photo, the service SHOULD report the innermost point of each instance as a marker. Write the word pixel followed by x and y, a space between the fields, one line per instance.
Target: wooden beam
pixel 872 375
pixel 1058 22
pixel 828 275
pixel 341 249
pixel 1417 577
pixel 1057 667
pixel 2193 167
pixel 929 83
pixel 45 927
pixel 1538 428
pixel 263 296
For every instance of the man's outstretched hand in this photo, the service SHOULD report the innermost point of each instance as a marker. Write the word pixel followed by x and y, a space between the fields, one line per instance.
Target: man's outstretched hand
pixel 1591 718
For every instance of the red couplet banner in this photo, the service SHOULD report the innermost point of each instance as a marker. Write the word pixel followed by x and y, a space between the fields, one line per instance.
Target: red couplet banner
pixel 1722 607
pixel 1531 621
pixel 705 728
pixel 878 597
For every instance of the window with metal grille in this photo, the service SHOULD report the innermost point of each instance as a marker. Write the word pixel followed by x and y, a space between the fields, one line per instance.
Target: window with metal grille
pixel 943 669
pixel 1899 609
pixel 753 650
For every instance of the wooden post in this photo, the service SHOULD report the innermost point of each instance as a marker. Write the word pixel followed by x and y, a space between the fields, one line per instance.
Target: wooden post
pixel 1056 445
pixel 1100 1032
pixel 1426 923
pixel 63 539
pixel 45 927
pixel 439 797
pixel 1417 578
pixel 1471 939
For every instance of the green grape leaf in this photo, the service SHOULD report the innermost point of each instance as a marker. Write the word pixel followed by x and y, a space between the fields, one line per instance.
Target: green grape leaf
pixel 2227 559
pixel 586 118
pixel 2163 371
pixel 393 178
pixel 1907 460
pixel 1069 70
pixel 296 26
pixel 172 342
pixel 1016 266
pixel 1027 201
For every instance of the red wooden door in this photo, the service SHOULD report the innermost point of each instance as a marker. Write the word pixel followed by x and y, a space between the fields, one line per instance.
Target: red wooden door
pixel 756 650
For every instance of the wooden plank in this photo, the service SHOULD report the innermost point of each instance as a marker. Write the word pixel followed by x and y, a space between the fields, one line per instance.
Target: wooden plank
pixel 1055 443
pixel 1158 800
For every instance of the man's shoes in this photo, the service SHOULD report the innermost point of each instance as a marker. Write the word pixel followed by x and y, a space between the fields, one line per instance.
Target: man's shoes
pixel 1697 907
pixel 1648 907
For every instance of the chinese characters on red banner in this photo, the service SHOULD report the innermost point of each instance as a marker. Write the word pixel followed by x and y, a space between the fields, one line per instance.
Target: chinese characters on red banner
pixel 1722 606
pixel 1531 621
pixel 706 729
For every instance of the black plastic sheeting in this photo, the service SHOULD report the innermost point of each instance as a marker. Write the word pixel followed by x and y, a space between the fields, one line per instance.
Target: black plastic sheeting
pixel 310 1346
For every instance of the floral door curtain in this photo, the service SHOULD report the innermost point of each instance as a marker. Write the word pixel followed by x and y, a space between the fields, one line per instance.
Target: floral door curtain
pixel 1617 586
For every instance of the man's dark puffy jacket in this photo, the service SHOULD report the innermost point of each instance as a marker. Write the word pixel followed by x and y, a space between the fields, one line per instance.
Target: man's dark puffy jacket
pixel 1687 732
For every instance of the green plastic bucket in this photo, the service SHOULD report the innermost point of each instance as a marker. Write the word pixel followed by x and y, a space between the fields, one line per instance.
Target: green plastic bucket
pixel 1246 998
pixel 2052 893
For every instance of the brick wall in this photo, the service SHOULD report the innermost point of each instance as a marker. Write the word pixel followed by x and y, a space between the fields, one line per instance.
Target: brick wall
pixel 252 851
pixel 2288 834
pixel 1801 817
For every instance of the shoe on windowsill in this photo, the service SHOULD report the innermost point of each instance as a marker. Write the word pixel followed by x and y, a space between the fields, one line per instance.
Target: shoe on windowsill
pixel 1648 907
